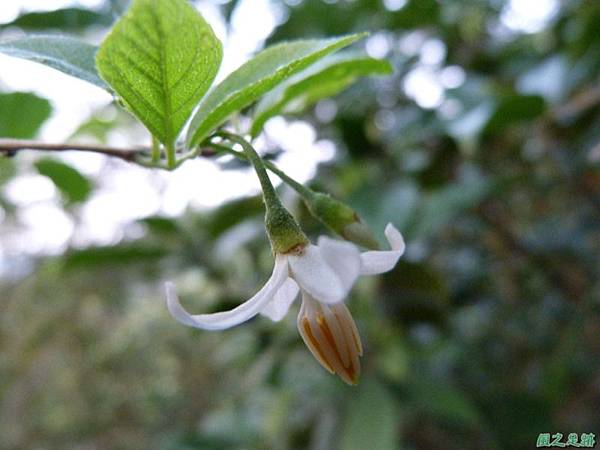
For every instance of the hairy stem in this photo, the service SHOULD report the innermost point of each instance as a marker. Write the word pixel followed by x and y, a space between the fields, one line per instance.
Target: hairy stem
pixel 284 232
pixel 298 187
pixel 271 197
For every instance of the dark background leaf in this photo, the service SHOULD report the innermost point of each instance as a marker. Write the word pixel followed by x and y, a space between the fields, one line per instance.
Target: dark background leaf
pixel 66 19
pixel 72 184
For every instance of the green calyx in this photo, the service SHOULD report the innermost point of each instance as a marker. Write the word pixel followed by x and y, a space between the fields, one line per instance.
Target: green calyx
pixel 284 232
pixel 341 219
pixel 335 215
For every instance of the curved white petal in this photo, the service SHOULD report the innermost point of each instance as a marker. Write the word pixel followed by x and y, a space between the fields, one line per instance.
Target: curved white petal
pixel 242 313
pixel 313 275
pixel 375 262
pixel 343 258
pixel 278 307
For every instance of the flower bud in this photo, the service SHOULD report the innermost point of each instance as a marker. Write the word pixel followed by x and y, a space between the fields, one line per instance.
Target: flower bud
pixel 341 219
pixel 331 335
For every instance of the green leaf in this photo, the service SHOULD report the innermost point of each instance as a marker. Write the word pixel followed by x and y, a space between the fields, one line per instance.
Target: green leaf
pixel 69 55
pixel 22 114
pixel 72 19
pixel 258 76
pixel 113 257
pixel 232 213
pixel 160 57
pixel 74 186
pixel 162 226
pixel 322 80
pixel 372 419
pixel 513 109
pixel 415 14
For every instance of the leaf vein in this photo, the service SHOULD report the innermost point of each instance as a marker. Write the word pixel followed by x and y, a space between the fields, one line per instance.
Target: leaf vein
pixel 139 48
pixel 197 58
pixel 148 75
pixel 167 95
pixel 151 108
pixel 146 33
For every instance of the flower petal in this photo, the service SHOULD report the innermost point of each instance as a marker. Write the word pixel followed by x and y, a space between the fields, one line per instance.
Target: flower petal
pixel 278 307
pixel 343 258
pixel 375 262
pixel 242 313
pixel 313 275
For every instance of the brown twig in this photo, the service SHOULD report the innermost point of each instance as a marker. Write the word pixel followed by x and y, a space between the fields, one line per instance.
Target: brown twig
pixel 10 147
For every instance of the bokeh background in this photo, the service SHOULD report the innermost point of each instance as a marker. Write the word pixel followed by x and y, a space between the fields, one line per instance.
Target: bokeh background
pixel 483 148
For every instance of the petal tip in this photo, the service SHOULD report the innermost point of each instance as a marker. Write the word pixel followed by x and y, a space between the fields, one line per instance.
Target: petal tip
pixel 173 305
pixel 395 238
pixel 170 291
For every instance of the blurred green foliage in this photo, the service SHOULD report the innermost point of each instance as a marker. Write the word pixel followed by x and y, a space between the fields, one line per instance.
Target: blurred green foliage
pixel 484 336
pixel 67 19
pixel 72 184
pixel 14 106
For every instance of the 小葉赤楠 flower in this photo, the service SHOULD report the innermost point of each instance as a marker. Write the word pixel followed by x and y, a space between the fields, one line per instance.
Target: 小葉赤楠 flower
pixel 323 274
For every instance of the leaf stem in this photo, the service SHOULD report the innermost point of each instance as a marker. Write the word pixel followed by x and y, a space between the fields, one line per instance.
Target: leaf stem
pixel 171 160
pixel 155 150
pixel 298 187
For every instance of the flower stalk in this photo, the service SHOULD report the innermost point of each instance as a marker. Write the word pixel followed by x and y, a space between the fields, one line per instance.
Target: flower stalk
pixel 284 232
pixel 334 214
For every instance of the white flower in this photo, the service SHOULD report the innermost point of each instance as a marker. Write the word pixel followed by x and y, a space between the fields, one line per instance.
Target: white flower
pixel 324 273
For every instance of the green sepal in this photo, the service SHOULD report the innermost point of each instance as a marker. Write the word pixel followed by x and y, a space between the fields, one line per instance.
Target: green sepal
pixel 284 232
